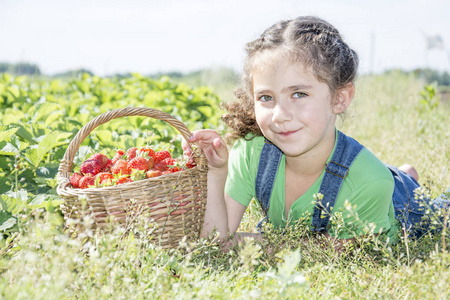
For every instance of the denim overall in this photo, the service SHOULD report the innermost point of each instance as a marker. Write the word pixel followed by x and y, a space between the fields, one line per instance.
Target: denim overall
pixel 408 210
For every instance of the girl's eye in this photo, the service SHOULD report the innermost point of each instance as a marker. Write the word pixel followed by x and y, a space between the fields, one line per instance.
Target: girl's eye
pixel 265 98
pixel 299 95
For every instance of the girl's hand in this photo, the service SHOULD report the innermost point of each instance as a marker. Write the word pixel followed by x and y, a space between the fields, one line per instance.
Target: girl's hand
pixel 210 142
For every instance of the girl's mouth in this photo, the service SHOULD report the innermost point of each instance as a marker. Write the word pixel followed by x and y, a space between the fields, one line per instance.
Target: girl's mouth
pixel 287 133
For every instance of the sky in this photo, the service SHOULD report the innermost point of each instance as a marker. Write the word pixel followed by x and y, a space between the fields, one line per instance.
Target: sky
pixel 151 36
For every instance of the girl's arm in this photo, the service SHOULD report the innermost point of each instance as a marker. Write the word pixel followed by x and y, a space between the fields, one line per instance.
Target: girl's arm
pixel 223 214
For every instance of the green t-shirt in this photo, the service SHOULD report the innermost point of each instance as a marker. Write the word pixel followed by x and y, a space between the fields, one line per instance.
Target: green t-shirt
pixel 368 187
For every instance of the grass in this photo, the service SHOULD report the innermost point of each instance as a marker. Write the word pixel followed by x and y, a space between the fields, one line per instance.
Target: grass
pixel 387 116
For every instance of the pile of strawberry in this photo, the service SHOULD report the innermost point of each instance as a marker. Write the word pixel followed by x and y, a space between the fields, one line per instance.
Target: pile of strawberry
pixel 135 164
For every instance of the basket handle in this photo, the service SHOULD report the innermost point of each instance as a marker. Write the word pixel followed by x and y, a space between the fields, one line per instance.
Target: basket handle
pixel 66 165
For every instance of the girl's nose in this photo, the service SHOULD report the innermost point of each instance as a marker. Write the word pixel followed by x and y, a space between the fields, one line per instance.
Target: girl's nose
pixel 281 113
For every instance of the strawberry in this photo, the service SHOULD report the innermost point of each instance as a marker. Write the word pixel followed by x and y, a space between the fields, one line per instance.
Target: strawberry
pixel 131 153
pixel 190 163
pixel 118 155
pixel 153 173
pixel 172 165
pixel 86 182
pixel 169 161
pixel 108 166
pixel 160 155
pixel 167 172
pixel 160 166
pixel 75 180
pixel 176 169
pixel 138 163
pixel 122 180
pixel 148 151
pixel 104 178
pixel 151 162
pixel 100 157
pixel 91 167
pixel 121 167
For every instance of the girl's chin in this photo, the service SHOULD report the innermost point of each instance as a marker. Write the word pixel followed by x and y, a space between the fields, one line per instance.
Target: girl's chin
pixel 288 150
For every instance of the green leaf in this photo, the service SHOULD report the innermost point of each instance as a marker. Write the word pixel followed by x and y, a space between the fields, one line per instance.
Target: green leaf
pixel 8 149
pixel 14 92
pixel 50 141
pixel 5 135
pixel 4 186
pixel 20 194
pixel 82 85
pixel 9 118
pixel 12 203
pixel 7 221
pixel 6 77
pixel 47 201
pixel 62 136
pixel 53 118
pixel 44 110
pixel 48 170
pixel 32 156
pixel 26 135
pixel 104 136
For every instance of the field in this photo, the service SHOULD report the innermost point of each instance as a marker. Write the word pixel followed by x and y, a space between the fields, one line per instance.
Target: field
pixel 400 118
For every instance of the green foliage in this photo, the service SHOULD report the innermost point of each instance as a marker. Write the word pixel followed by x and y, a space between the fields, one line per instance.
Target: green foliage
pixel 20 68
pixel 428 97
pixel 46 263
pixel 433 76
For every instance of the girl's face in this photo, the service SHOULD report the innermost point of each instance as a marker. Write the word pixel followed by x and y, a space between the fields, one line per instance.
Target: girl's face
pixel 293 109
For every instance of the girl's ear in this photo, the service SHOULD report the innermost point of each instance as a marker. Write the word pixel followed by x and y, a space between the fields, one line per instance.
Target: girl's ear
pixel 344 98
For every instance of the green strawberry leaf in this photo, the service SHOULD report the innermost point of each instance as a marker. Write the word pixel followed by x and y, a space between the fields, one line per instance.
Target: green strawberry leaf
pixel 5 135
pixel 36 154
pixel 7 221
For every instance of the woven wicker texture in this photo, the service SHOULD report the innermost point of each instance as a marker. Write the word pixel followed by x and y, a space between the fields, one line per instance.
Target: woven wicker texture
pixel 176 202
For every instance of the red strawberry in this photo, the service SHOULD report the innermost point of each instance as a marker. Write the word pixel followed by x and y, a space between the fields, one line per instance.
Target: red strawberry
pixel 151 162
pixel 122 180
pixel 167 172
pixel 100 157
pixel 148 151
pixel 160 166
pixel 153 173
pixel 176 169
pixel 104 178
pixel 138 163
pixel 108 166
pixel 160 155
pixel 190 164
pixel 169 161
pixel 172 164
pixel 75 180
pixel 131 153
pixel 121 167
pixel 118 155
pixel 86 182
pixel 91 167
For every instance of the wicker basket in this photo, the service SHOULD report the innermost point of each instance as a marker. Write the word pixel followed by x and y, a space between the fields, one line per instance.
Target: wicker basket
pixel 176 202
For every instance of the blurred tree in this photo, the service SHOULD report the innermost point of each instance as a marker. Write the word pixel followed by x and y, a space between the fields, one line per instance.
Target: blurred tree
pixel 20 69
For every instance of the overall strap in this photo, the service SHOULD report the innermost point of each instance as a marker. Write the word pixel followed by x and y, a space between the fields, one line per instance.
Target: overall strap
pixel 347 149
pixel 265 177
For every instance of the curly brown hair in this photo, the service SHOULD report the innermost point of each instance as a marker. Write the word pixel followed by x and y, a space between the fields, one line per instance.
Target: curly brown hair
pixel 315 43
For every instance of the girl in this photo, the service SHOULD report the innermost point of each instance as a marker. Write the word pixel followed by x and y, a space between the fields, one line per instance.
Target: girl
pixel 298 76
